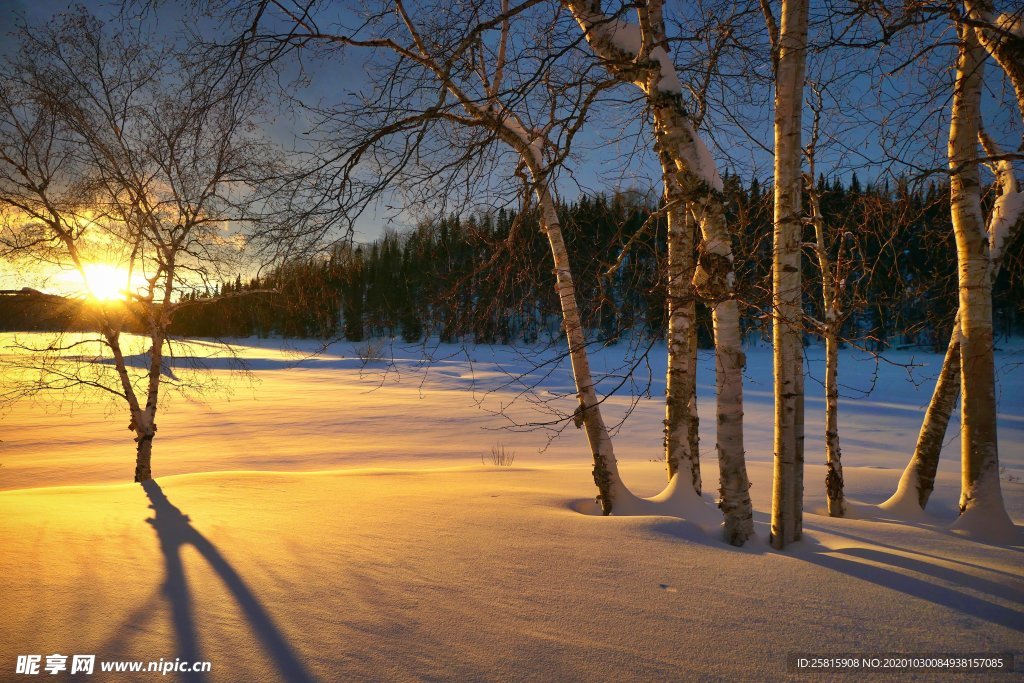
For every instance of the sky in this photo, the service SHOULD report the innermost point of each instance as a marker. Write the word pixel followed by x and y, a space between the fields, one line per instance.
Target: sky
pixel 596 169
pixel 604 160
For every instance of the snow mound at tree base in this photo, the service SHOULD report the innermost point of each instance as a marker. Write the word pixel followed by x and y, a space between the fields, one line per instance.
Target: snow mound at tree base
pixel 675 500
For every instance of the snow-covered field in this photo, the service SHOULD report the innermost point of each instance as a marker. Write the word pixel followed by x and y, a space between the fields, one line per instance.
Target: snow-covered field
pixel 325 520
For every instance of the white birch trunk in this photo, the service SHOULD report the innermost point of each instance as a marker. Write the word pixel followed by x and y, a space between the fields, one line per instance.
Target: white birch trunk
pixel 142 419
pixel 606 473
pixel 1003 38
pixel 830 331
pixel 981 504
pixel 681 452
pixel 144 425
pixel 694 424
pixel 145 419
pixel 714 280
pixel 529 144
pixel 639 55
pixel 787 484
pixel 1003 225
pixel 918 479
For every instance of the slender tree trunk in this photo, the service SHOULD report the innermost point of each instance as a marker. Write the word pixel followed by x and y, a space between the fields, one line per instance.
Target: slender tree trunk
pixel 1006 48
pixel 145 430
pixel 529 144
pixel 588 415
pixel 694 423
pixel 701 185
pixel 787 484
pixel 830 332
pixel 1002 38
pixel 693 426
pixel 733 482
pixel 681 385
pixel 918 480
pixel 833 455
pixel 980 494
pixel 144 419
pixel 713 280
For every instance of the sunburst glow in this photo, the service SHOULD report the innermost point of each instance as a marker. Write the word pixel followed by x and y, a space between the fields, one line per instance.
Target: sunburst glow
pixel 106 282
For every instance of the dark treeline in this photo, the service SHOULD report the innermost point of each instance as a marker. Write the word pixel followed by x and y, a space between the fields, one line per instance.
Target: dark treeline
pixel 487 278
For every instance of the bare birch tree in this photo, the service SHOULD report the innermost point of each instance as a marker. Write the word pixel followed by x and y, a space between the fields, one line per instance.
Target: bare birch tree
pixel 638 54
pixel 1000 36
pixel 790 60
pixel 979 458
pixel 117 154
pixel 828 328
pixel 461 68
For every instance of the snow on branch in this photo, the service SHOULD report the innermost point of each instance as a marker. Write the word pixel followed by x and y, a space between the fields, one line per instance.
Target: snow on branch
pixel 1008 210
pixel 622 46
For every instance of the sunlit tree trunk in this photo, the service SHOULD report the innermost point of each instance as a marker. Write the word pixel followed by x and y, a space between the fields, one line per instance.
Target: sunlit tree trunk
pixel 918 480
pixel 145 430
pixel 681 451
pixel 693 426
pixel 787 485
pixel 980 494
pixel 714 281
pixel 638 54
pixel 486 110
pixel 144 419
pixel 588 415
pixel 1001 37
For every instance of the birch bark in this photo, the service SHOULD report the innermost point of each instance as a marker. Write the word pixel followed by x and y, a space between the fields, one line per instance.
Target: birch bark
pixel 830 332
pixel 980 495
pixel 681 449
pixel 637 54
pixel 787 484
pixel 606 474
pixel 1003 37
pixel 918 479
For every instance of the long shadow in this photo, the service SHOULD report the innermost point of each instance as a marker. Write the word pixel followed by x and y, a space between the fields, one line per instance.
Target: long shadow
pixel 917 552
pixel 909 585
pixel 980 584
pixel 174 530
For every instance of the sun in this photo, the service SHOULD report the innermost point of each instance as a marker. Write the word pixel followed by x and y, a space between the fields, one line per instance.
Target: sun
pixel 106 282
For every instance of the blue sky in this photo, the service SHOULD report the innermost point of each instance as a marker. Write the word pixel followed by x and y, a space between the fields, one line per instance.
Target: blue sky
pixel 856 102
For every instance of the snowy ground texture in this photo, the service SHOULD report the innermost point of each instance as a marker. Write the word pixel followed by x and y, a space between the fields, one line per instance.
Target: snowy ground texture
pixel 326 519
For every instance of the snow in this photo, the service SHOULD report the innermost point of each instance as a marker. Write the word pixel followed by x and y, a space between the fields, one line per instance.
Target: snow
pixel 904 502
pixel 628 38
pixel 534 140
pixel 1007 210
pixel 698 159
pixel 623 35
pixel 331 522
pixel 705 166
pixel 669 78
pixel 1011 23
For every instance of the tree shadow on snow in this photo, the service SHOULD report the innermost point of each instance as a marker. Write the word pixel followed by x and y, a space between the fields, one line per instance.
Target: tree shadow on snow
pixel 174 531
pixel 913 573
pixel 928 556
pixel 900 572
